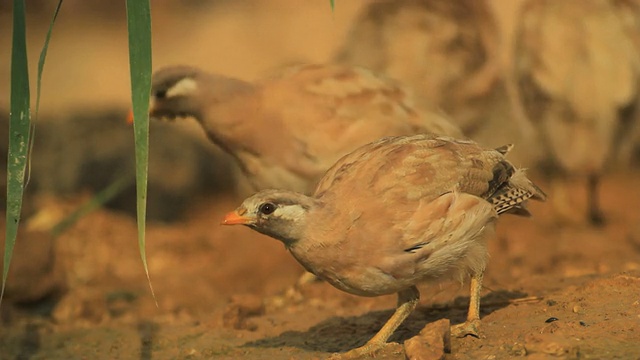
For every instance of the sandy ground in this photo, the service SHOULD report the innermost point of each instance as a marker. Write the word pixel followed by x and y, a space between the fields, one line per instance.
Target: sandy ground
pixel 227 293
pixel 551 291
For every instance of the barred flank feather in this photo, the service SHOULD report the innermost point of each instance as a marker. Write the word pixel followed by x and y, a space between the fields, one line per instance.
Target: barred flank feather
pixel 511 198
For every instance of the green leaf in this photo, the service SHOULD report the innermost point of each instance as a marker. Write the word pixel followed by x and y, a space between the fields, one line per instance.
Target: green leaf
pixel 41 60
pixel 139 27
pixel 20 128
pixel 19 125
pixel 43 56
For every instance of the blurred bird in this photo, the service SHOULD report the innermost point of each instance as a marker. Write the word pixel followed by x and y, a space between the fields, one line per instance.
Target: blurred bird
pixel 394 213
pixel 286 131
pixel 577 69
pixel 444 50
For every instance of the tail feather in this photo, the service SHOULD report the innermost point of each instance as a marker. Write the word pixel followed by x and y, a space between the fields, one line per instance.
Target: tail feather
pixel 511 198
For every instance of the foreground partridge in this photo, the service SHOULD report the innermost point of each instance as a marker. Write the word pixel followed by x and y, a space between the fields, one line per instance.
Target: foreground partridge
pixel 578 73
pixel 394 213
pixel 287 130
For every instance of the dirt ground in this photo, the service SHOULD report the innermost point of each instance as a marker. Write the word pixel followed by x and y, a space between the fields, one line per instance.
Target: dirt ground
pixel 228 293
pixel 555 291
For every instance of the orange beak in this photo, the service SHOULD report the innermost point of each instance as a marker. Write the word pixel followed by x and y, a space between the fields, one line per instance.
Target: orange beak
pixel 236 218
pixel 130 117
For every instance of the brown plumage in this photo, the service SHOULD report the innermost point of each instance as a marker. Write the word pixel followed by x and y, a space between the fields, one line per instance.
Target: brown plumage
pixel 393 213
pixel 285 131
pixel 578 72
pixel 444 50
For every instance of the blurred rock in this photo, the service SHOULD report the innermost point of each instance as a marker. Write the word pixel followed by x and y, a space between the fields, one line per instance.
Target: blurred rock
pixel 517 349
pixel 90 150
pixel 240 309
pixel 34 273
pixel 547 346
pixel 88 307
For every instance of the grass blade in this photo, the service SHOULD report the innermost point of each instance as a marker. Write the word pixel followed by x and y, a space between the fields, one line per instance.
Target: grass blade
pixel 41 60
pixel 19 125
pixel 139 27
pixel 43 56
pixel 333 5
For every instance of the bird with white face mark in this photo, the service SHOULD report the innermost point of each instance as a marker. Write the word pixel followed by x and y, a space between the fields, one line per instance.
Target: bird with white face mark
pixel 394 213
pixel 287 130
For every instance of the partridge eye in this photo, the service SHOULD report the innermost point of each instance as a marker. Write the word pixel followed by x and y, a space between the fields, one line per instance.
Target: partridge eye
pixel 161 94
pixel 267 208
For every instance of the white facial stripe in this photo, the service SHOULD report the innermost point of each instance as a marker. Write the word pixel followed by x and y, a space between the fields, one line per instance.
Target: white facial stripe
pixel 183 87
pixel 290 212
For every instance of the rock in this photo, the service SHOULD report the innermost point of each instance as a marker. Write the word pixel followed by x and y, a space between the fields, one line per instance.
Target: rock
pixel 552 345
pixel 432 343
pixel 241 308
pixel 91 150
pixel 518 349
pixel 33 273
pixel 87 307
pixel 577 309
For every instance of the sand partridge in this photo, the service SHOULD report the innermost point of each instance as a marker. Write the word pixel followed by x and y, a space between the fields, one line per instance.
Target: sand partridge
pixel 446 51
pixel 394 213
pixel 577 68
pixel 287 130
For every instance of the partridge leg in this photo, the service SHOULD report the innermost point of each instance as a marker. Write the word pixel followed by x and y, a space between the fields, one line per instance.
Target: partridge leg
pixel 407 302
pixel 470 327
pixel 596 216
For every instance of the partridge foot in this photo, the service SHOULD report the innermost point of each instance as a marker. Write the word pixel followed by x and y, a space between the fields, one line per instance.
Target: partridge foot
pixel 466 328
pixel 407 301
pixel 367 349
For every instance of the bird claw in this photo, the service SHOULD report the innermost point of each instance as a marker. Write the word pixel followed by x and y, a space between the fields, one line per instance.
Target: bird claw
pixel 367 349
pixel 466 328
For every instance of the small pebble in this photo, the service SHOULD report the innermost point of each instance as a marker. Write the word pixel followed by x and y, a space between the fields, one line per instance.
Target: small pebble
pixel 432 343
pixel 240 309
pixel 551 319
pixel 518 349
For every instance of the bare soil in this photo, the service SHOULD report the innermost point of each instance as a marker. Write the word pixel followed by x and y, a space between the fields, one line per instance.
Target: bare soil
pixel 569 292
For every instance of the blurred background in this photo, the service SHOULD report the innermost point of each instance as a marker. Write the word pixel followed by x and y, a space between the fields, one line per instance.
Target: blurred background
pixel 86 86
